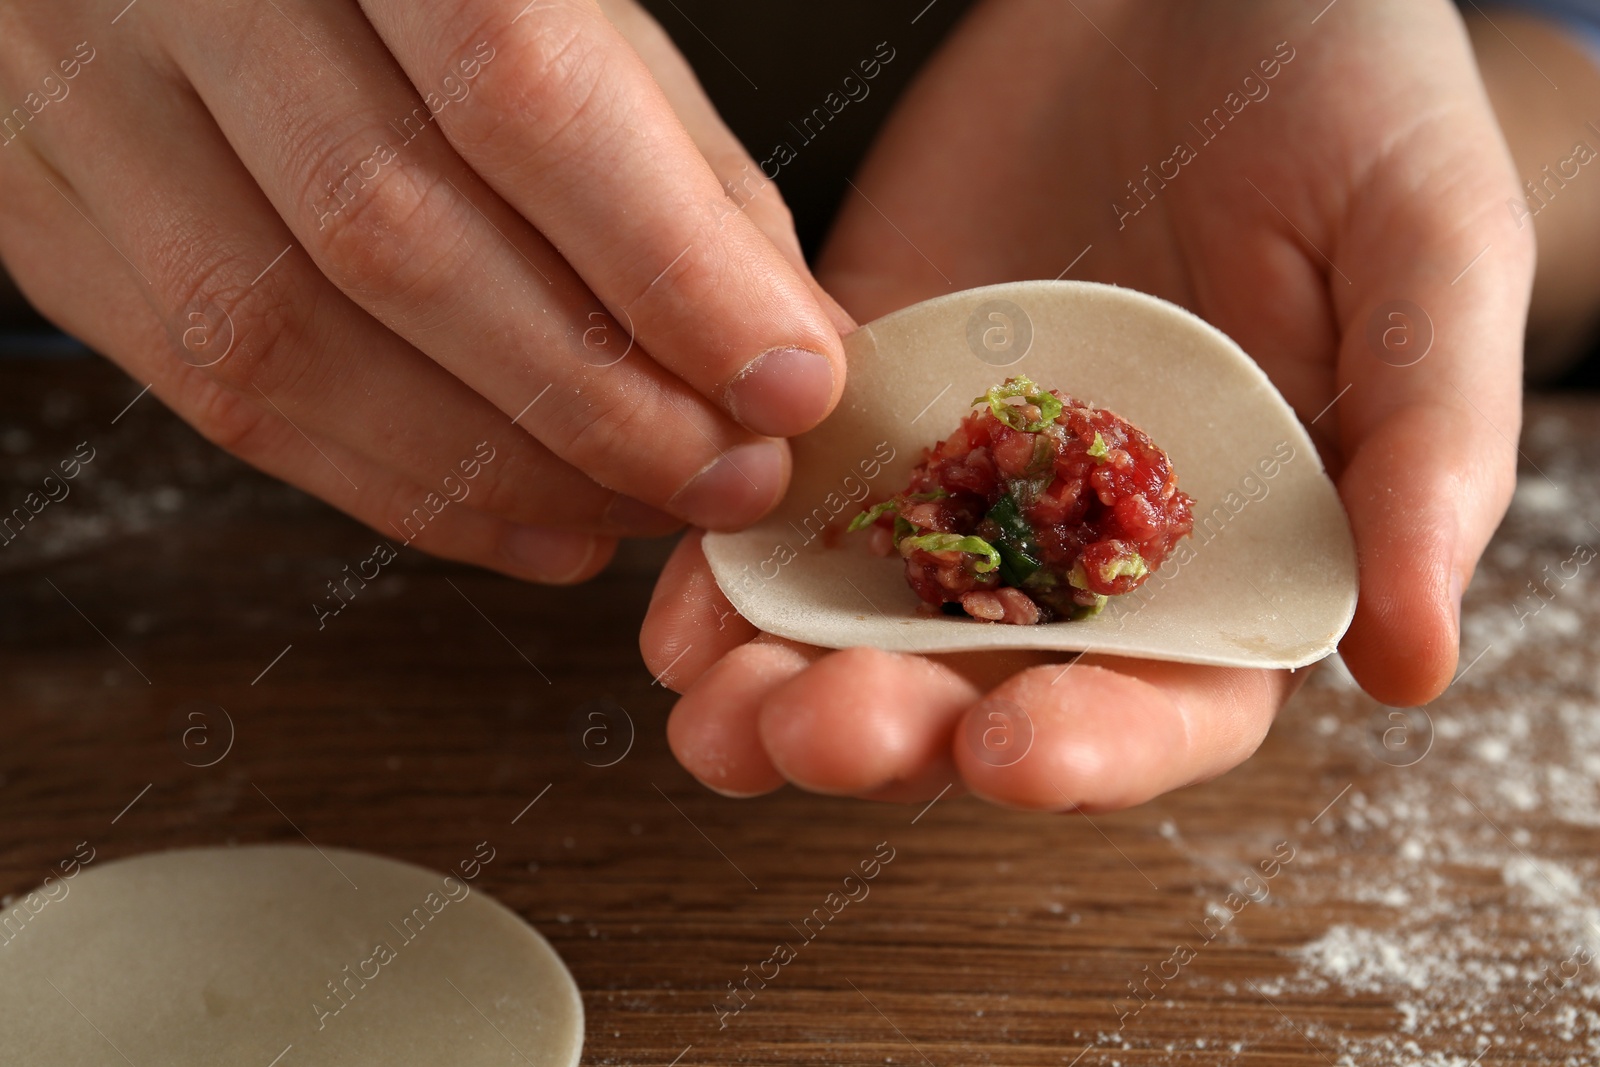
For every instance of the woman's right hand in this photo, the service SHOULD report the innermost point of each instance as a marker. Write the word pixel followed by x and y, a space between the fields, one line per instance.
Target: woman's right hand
pixel 363 246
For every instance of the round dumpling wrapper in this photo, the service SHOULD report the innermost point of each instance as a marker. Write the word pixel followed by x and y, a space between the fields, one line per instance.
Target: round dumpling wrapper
pixel 271 955
pixel 1267 579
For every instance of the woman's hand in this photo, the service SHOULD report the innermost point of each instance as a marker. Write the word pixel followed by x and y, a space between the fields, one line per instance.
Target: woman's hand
pixel 363 246
pixel 1330 190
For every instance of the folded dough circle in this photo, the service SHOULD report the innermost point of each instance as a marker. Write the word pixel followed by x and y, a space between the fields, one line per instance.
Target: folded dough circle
pixel 1267 578
pixel 279 955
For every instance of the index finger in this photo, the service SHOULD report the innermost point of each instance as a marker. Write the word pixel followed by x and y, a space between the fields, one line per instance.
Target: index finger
pixel 569 126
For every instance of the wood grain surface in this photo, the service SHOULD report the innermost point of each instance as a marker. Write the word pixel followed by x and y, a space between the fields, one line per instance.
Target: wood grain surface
pixel 1443 862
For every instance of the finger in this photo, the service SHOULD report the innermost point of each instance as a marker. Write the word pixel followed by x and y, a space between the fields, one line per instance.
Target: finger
pixel 391 215
pixel 868 723
pixel 713 729
pixel 744 183
pixel 121 324
pixel 568 125
pixel 1103 733
pixel 691 624
pixel 246 307
pixel 692 630
pixel 1430 432
pixel 1100 733
pixel 387 503
pixel 858 722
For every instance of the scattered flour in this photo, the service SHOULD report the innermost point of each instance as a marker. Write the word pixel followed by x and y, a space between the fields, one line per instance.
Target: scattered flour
pixel 1363 960
pixel 1472 929
pixel 1550 883
pixel 1491 749
pixel 1540 497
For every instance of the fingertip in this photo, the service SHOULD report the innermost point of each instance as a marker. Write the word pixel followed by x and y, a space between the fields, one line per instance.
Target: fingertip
pixel 1096 740
pixel 784 391
pixel 554 557
pixel 1404 641
pixel 713 728
pixel 690 623
pixel 1403 649
pixel 863 721
pixel 737 488
pixel 1419 529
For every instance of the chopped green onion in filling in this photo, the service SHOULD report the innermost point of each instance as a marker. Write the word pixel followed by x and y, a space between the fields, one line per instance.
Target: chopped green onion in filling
pixel 1018 517
pixel 948 542
pixel 872 515
pixel 889 507
pixel 1131 566
pixel 1089 611
pixel 1049 404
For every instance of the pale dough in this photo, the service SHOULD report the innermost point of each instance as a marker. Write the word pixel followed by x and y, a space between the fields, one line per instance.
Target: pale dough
pixel 213 956
pixel 1268 579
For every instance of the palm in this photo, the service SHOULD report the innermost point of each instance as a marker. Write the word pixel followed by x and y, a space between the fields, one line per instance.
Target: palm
pixel 1015 153
pixel 1372 145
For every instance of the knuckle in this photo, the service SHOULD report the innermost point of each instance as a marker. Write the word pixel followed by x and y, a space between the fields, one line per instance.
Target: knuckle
pixel 594 436
pixel 230 329
pixel 540 105
pixel 268 344
pixel 532 487
pixel 401 505
pixel 230 421
pixel 379 223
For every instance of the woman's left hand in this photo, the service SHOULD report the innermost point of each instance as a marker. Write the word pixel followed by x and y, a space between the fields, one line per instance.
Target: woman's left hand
pixel 1355 163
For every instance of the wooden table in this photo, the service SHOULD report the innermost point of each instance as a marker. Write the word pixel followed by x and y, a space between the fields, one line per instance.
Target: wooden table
pixel 1439 861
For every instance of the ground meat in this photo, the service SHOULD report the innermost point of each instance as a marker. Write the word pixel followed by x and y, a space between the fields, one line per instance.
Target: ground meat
pixel 1037 507
pixel 1001 605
